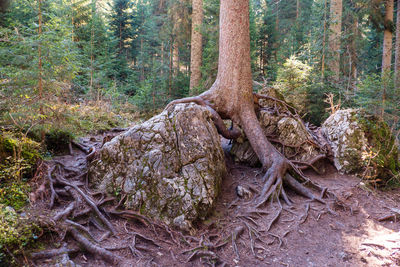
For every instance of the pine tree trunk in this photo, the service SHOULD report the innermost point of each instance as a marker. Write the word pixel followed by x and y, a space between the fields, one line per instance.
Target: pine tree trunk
pixel 335 37
pixel 196 45
pixel 387 37
pixel 387 50
pixel 231 94
pixel 397 49
pixel 40 81
pixel 175 58
pixel 231 97
pixel 323 44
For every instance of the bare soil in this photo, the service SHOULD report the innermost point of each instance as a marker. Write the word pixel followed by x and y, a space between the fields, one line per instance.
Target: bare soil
pixel 305 234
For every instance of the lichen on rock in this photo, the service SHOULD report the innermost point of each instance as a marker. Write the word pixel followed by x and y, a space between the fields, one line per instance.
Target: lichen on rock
pixel 170 167
pixel 362 144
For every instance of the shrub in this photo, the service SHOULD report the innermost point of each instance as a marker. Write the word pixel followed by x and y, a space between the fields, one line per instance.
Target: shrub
pixel 16 233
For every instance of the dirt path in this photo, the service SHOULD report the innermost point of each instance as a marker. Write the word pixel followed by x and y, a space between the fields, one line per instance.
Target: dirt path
pixel 304 235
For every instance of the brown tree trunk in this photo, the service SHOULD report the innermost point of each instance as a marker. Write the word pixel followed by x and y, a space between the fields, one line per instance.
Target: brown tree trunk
pixel 175 58
pixel 323 44
pixel 335 37
pixel 40 81
pixel 196 45
pixel 231 95
pixel 387 50
pixel 387 37
pixel 397 49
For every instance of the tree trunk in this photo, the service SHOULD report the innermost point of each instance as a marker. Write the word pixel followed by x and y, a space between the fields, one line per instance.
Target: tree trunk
pixel 397 50
pixel 387 50
pixel 231 95
pixel 387 37
pixel 40 81
pixel 335 37
pixel 175 58
pixel 323 44
pixel 196 44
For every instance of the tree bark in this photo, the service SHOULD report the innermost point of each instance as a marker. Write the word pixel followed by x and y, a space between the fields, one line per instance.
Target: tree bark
pixel 231 95
pixel 196 45
pixel 387 37
pixel 40 82
pixel 323 44
pixel 175 58
pixel 387 50
pixel 335 37
pixel 397 49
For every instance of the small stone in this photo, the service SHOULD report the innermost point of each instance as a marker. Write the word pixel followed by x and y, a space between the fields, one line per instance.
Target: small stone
pixel 243 192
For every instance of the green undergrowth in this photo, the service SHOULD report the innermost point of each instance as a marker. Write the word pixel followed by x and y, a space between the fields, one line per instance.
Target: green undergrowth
pixel 17 232
pixel 382 156
pixel 19 156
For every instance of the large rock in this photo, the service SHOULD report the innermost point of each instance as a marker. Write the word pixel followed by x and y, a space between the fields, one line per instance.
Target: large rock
pixel 286 130
pixel 362 144
pixel 347 140
pixel 170 166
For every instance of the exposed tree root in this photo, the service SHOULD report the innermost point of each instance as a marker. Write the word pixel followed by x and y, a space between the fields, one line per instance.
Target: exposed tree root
pixel 394 216
pixel 94 249
pixel 53 252
pixel 91 204
pixel 53 195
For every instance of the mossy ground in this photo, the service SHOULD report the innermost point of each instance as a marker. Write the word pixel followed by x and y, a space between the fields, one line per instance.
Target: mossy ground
pixel 17 232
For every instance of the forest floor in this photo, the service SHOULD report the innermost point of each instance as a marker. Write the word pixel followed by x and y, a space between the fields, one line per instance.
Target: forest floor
pixel 305 234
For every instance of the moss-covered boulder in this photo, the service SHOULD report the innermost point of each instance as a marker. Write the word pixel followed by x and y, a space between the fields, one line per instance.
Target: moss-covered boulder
pixel 287 132
pixel 362 144
pixel 169 167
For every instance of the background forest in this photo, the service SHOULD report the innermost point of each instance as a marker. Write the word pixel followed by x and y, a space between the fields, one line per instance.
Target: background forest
pixel 137 53
pixel 69 68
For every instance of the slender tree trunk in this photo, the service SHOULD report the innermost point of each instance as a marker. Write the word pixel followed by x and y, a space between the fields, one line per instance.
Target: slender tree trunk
pixel 196 52
pixel 323 44
pixel 397 50
pixel 387 37
pixel 40 81
pixel 162 59
pixel 175 58
pixel 353 49
pixel 335 37
pixel 297 9
pixel 387 50
pixel 170 67
pixel 142 61
pixel 91 51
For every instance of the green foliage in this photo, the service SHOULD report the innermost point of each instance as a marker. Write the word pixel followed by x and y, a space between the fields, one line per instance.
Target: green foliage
pixel 292 82
pixel 13 193
pixel 18 150
pixel 370 92
pixel 382 157
pixel 16 233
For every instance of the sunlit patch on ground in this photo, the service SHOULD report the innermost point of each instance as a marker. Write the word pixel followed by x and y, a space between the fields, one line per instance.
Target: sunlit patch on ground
pixel 374 244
